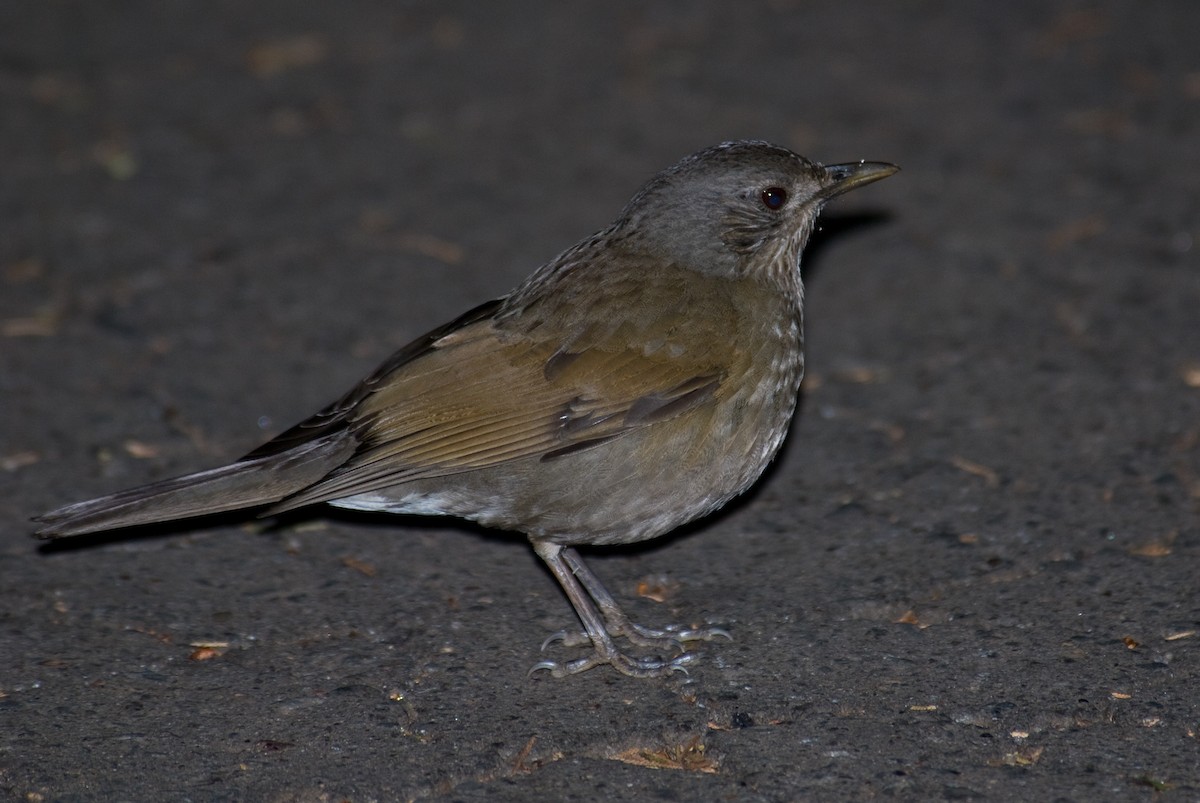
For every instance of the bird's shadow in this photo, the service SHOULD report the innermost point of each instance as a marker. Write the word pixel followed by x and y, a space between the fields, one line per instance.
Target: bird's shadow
pixel 831 227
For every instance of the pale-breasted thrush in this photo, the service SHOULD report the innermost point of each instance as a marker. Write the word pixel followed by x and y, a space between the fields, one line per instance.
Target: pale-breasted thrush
pixel 638 381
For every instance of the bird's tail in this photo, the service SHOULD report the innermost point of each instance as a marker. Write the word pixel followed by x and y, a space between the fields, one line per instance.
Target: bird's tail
pixel 244 484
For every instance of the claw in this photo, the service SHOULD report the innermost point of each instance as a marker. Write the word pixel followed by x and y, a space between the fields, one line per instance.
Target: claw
pixel 550 639
pixel 677 666
pixel 702 634
pixel 680 661
pixel 559 670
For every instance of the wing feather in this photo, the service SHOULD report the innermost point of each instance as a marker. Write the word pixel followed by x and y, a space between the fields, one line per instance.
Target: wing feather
pixel 482 394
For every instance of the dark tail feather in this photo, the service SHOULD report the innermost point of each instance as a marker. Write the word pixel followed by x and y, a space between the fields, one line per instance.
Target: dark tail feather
pixel 247 483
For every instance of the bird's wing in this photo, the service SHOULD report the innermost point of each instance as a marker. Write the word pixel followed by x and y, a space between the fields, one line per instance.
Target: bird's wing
pixel 480 394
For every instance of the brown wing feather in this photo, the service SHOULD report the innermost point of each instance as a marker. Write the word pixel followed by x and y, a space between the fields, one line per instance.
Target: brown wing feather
pixel 476 403
pixel 484 393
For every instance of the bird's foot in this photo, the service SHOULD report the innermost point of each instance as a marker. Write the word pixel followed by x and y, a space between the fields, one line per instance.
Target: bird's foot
pixel 603 620
pixel 606 653
pixel 670 637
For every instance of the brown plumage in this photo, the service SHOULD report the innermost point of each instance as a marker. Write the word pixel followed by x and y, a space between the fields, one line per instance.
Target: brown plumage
pixel 636 382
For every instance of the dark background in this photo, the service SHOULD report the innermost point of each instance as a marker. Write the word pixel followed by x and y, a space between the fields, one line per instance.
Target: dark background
pixel 972 574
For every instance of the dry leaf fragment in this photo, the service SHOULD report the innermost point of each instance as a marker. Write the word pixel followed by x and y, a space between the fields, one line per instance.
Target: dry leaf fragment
pixel 280 55
pixel 858 375
pixel 205 654
pixel 687 756
pixel 165 638
pixel 1022 758
pixel 1156 549
pixel 16 460
pixel 990 477
pixel 433 247
pixel 519 766
pixel 140 449
pixel 910 617
pixel 43 323
pixel 657 587
pixel 1190 374
pixel 360 566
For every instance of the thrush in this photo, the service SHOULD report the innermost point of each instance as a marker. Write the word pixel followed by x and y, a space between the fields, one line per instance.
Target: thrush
pixel 638 381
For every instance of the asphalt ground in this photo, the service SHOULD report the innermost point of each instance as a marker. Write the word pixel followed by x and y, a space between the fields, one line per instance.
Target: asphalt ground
pixel 973 573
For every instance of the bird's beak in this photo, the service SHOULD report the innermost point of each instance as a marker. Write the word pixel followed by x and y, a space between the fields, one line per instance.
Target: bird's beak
pixel 845 177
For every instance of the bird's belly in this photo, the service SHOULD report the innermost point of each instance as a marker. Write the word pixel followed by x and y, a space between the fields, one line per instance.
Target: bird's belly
pixel 411 501
pixel 652 481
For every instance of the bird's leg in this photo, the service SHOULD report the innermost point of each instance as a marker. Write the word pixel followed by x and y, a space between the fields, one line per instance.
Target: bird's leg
pixel 618 624
pixel 585 592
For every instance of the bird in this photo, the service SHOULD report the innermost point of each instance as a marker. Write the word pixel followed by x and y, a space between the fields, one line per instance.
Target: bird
pixel 638 381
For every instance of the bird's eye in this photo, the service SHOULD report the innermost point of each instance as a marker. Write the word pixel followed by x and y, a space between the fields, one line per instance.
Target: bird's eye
pixel 774 197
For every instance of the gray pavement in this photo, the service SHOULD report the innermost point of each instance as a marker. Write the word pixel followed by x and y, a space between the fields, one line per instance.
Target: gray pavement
pixel 971 575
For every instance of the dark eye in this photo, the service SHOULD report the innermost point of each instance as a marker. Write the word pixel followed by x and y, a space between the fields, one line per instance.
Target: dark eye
pixel 774 197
